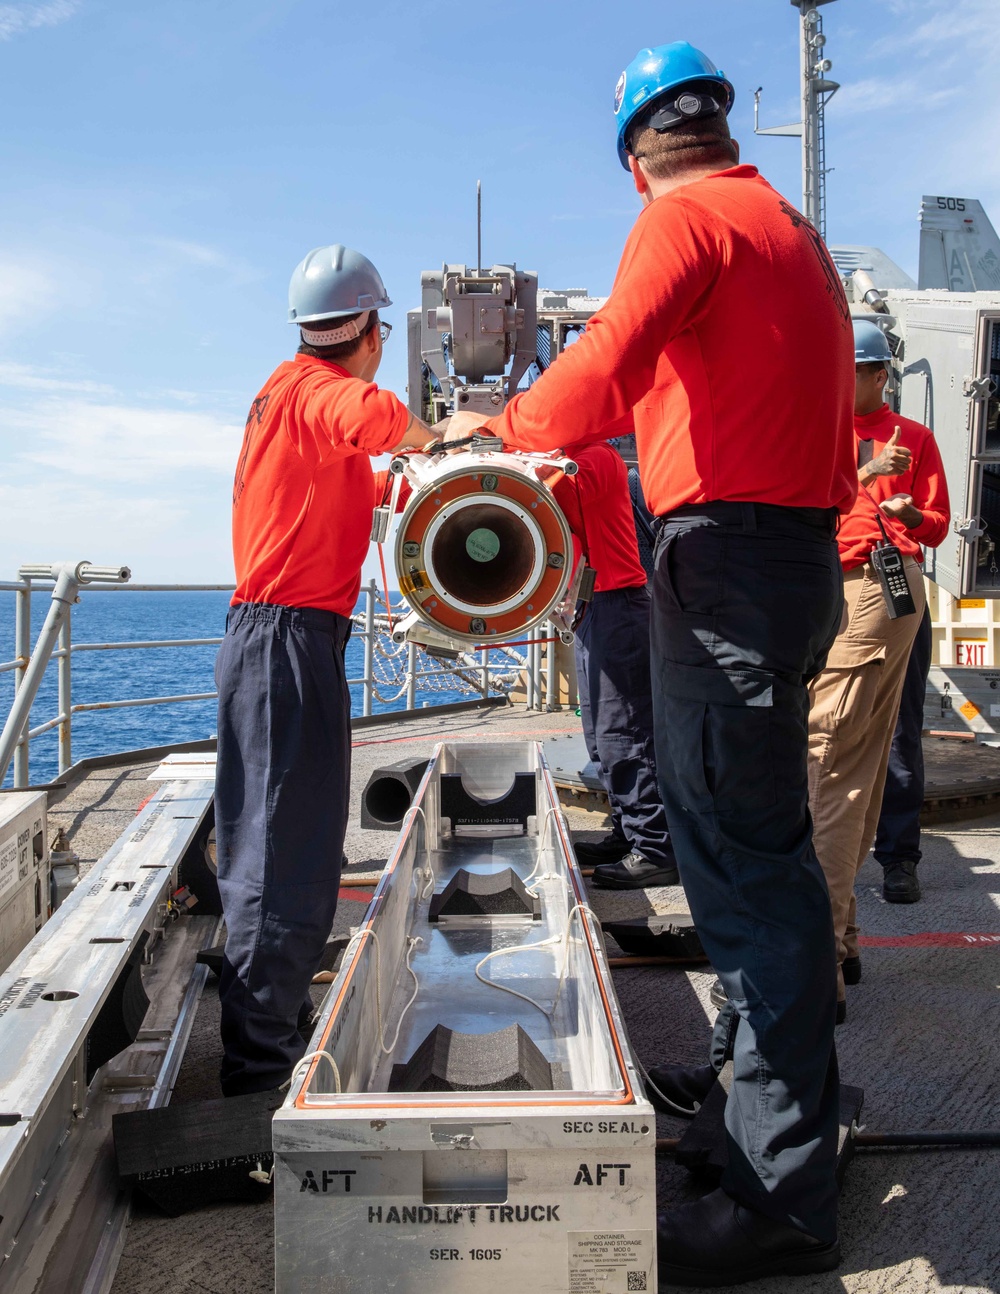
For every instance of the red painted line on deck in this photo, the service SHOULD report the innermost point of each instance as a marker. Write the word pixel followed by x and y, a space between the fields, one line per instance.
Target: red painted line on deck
pixel 933 939
pixel 355 895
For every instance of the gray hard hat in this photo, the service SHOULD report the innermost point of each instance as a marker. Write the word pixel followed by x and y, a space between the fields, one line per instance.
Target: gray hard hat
pixel 333 281
pixel 870 344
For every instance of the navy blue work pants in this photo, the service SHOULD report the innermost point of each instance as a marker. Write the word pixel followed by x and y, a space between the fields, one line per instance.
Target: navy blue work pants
pixel 281 804
pixel 616 705
pixel 898 837
pixel 747 599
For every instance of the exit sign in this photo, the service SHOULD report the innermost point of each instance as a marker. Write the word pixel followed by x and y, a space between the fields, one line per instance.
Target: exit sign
pixel 971 651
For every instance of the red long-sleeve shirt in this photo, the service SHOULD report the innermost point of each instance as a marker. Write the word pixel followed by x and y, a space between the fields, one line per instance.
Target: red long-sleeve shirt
pixel 304 490
pixel 598 508
pixel 860 531
pixel 924 479
pixel 728 334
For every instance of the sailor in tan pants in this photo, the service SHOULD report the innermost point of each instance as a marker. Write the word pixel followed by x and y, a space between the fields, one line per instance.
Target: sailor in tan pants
pixel 854 702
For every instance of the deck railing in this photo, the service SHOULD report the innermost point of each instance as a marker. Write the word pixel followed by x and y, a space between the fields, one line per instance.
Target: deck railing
pixel 390 673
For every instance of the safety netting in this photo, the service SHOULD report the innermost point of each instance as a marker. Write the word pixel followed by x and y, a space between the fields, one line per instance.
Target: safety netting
pixel 402 669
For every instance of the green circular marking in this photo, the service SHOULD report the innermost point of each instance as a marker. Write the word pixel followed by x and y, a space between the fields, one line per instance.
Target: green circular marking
pixel 482 545
pixel 490 482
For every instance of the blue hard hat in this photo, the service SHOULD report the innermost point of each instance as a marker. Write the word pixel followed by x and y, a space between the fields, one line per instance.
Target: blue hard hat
pixel 334 281
pixel 870 344
pixel 655 72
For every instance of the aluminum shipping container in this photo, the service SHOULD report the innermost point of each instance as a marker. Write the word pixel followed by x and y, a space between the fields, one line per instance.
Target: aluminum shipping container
pixel 545 1187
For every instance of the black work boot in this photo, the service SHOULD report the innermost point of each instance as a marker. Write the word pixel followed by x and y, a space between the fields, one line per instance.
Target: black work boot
pixel 635 872
pixel 900 884
pixel 716 1241
pixel 608 850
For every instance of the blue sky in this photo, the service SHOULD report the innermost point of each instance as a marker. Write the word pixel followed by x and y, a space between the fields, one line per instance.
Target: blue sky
pixel 165 167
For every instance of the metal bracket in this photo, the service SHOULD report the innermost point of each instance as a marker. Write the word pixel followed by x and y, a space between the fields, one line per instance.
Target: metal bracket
pixel 979 388
pixel 970 528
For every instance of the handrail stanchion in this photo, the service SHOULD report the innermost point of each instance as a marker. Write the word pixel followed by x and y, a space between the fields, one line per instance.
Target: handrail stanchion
pixel 66 692
pixel 68 577
pixel 471 674
pixel 411 676
pixel 534 692
pixel 22 650
pixel 551 697
pixel 366 705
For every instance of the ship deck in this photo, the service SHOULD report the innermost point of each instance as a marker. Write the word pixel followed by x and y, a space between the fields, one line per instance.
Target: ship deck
pixel 922 1037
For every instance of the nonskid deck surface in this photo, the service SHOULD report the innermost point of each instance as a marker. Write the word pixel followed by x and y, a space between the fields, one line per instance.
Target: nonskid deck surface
pixel 922 1039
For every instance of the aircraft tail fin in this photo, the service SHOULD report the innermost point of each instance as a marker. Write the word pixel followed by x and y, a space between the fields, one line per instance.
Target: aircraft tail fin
pixel 959 248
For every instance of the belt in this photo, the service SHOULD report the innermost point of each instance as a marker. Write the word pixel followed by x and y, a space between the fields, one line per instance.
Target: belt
pixel 750 516
pixel 264 613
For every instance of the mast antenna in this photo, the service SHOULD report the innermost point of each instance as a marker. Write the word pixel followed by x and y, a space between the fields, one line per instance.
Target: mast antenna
pixel 817 90
pixel 479 227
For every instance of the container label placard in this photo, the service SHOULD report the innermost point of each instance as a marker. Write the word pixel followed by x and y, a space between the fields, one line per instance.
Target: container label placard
pixel 611 1262
pixel 8 864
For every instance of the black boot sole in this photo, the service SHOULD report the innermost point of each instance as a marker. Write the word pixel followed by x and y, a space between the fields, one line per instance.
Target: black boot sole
pixel 901 898
pixel 825 1259
pixel 671 877
pixel 586 859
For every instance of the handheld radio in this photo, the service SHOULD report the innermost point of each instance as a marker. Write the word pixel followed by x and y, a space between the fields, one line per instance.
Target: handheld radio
pixel 887 563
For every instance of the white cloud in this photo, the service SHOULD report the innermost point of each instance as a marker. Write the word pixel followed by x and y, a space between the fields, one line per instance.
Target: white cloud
pixel 125 443
pixel 114 481
pixel 27 377
pixel 25 291
pixel 15 19
pixel 162 535
pixel 180 251
pixel 961 27
pixel 198 253
pixel 919 107
pixel 885 95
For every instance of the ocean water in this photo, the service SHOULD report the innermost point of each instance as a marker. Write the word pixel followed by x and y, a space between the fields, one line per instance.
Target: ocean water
pixel 116 675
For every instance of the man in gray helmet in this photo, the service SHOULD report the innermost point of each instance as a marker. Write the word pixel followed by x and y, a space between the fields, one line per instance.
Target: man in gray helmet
pixel 303 499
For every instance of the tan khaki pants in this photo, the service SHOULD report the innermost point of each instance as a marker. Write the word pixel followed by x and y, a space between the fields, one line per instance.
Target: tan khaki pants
pixel 853 707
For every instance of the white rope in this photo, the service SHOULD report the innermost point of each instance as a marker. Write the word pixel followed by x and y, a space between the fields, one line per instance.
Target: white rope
pixel 426 871
pixel 309 1057
pixel 554 941
pixel 578 907
pixel 411 942
pixel 550 813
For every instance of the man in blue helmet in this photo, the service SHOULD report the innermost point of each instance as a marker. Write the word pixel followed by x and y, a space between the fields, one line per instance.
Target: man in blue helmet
pixel 902 469
pixel 303 499
pixel 728 337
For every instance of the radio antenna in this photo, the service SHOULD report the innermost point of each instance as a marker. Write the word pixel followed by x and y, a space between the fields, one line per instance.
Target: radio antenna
pixel 479 226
